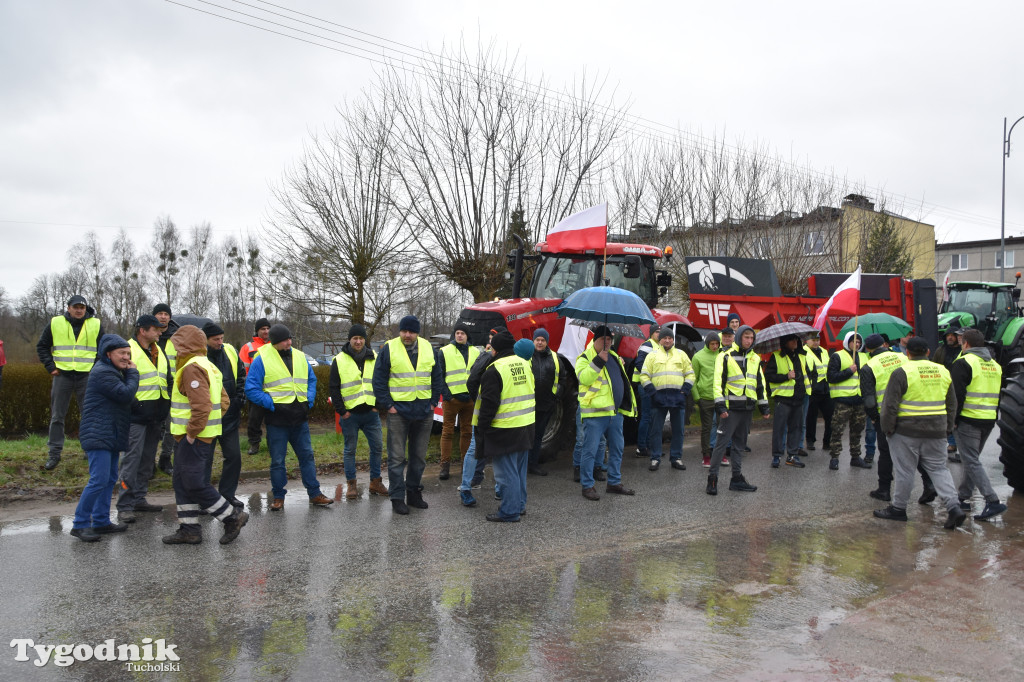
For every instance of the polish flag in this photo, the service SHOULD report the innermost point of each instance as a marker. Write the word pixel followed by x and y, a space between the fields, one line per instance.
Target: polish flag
pixel 581 231
pixel 846 299
pixel 945 285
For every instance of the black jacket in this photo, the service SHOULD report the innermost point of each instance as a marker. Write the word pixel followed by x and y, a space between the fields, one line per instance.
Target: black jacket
pixel 772 375
pixel 544 377
pixel 819 387
pixel 44 348
pixel 962 375
pixel 334 383
pixel 234 389
pixel 491 441
pixel 836 376
pixel 151 412
pixel 463 348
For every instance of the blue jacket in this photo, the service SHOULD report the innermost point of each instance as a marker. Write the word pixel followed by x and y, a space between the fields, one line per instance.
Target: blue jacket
pixel 106 415
pixel 254 385
pixel 408 409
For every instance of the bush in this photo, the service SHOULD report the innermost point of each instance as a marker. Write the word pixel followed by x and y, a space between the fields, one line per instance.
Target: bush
pixel 25 401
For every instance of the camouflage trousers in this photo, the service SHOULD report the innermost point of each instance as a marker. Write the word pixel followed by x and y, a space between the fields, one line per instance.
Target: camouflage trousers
pixel 843 415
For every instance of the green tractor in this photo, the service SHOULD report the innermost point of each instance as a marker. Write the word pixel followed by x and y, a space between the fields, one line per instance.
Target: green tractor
pixel 992 308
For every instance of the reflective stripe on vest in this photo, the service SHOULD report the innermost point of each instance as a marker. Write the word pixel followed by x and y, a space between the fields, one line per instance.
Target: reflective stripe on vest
pixel 278 383
pixel 787 388
pixel 927 384
pixel 405 383
pixel 982 399
pixel 651 343
pixel 666 369
pixel 233 359
pixel 456 369
pixel 172 355
pixel 517 406
pixel 851 387
pixel 74 354
pixel 180 409
pixel 597 398
pixel 356 389
pixel 819 365
pixel 152 378
pixel 882 366
pixel 740 385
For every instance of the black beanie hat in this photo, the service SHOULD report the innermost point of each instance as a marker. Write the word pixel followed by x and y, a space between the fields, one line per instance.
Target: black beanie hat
pixel 161 308
pixel 279 333
pixel 356 330
pixel 212 329
pixel 503 340
pixel 461 326
pixel 409 323
pixel 260 324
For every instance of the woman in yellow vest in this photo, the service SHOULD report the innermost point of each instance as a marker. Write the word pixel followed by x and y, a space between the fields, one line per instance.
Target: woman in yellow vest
pixel 198 402
pixel 505 422
pixel 977 380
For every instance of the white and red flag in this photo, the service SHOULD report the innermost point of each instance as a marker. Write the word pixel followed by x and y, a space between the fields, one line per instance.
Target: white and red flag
pixel 846 299
pixel 945 285
pixel 581 231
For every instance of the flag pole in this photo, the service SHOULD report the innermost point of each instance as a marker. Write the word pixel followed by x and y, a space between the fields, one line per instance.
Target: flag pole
pixel 856 320
pixel 604 265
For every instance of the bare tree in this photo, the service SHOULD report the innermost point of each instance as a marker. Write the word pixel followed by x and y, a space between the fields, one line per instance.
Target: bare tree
pixel 196 265
pixel 128 295
pixel 89 258
pixel 166 251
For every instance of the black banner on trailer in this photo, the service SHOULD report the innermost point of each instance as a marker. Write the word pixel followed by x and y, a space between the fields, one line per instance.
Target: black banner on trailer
pixel 732 276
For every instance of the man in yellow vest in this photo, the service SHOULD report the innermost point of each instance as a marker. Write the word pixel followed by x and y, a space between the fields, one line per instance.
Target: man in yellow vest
pixel 351 389
pixel 454 361
pixel 225 358
pixel 406 385
pixel 67 348
pixel 198 403
pixel 918 411
pixel 605 397
pixel 162 312
pixel 505 423
pixel 281 381
pixel 848 404
pixel 820 400
pixel 666 378
pixel 149 412
pixel 787 375
pixel 738 386
pixel 977 380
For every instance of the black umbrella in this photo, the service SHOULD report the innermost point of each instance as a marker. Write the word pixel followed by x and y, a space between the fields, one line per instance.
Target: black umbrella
pixel 769 340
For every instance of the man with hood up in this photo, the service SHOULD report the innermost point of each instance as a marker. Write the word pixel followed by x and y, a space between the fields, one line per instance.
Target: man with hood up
pixel 977 379
pixel 738 385
pixel 454 361
pixel 67 348
pixel 848 405
pixel 198 403
pixel 703 393
pixel 789 378
pixel 351 387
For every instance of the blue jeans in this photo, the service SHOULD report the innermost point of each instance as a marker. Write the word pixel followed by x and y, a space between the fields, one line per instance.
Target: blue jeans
pixel 510 473
pixel 643 429
pixel 596 429
pixel 407 438
pixel 870 438
pixel 658 415
pixel 577 451
pixel 94 506
pixel 278 438
pixel 369 424
pixel 471 466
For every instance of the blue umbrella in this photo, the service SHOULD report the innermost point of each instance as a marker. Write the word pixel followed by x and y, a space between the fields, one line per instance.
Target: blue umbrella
pixel 606 304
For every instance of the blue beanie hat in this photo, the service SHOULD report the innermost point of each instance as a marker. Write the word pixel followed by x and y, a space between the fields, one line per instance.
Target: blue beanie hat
pixel 409 323
pixel 542 332
pixel 524 348
pixel 732 316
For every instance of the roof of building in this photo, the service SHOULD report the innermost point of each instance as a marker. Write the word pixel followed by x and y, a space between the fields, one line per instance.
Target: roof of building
pixel 978 243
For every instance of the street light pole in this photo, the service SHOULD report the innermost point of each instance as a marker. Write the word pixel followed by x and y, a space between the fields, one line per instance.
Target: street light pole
pixel 1002 217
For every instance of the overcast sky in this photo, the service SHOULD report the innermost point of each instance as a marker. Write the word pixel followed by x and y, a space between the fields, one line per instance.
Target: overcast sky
pixel 113 113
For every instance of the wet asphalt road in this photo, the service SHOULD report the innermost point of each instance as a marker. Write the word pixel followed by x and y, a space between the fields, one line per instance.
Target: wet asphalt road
pixel 796 581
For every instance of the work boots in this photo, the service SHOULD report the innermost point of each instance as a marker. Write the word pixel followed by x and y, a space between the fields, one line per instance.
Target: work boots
pixel 740 484
pixel 712 488
pixel 377 487
pixel 892 513
pixel 51 462
pixel 352 491
pixel 232 525
pixel 414 498
pixel 185 536
pixel 445 473
pixel 254 448
pixel 164 464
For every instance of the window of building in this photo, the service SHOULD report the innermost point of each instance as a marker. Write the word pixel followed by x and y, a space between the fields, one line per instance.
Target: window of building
pixel 761 247
pixel 1009 259
pixel 959 261
pixel 814 243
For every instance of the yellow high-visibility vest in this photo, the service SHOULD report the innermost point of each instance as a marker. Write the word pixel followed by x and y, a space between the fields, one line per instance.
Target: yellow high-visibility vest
pixel 740 385
pixel 783 365
pixel 517 406
pixel 851 387
pixel 152 378
pixel 927 384
pixel 282 386
pixel 819 365
pixel 456 369
pixel 180 410
pixel 882 366
pixel 405 383
pixel 595 395
pixel 72 354
pixel 982 399
pixel 356 388
pixel 666 369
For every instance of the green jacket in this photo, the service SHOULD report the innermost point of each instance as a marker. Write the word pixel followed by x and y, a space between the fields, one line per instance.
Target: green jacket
pixel 704 368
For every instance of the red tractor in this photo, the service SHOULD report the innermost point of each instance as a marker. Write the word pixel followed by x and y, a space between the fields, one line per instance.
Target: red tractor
pixel 556 275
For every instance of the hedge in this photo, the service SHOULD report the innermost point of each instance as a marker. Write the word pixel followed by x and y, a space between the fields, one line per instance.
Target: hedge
pixel 25 401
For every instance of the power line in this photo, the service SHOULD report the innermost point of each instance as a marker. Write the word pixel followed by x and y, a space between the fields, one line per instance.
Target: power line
pixel 643 128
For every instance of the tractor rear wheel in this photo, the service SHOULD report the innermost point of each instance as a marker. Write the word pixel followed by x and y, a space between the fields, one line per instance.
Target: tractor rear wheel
pixel 1011 432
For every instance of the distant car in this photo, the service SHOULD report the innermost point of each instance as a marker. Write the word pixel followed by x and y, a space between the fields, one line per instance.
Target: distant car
pixel 309 358
pixel 325 359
